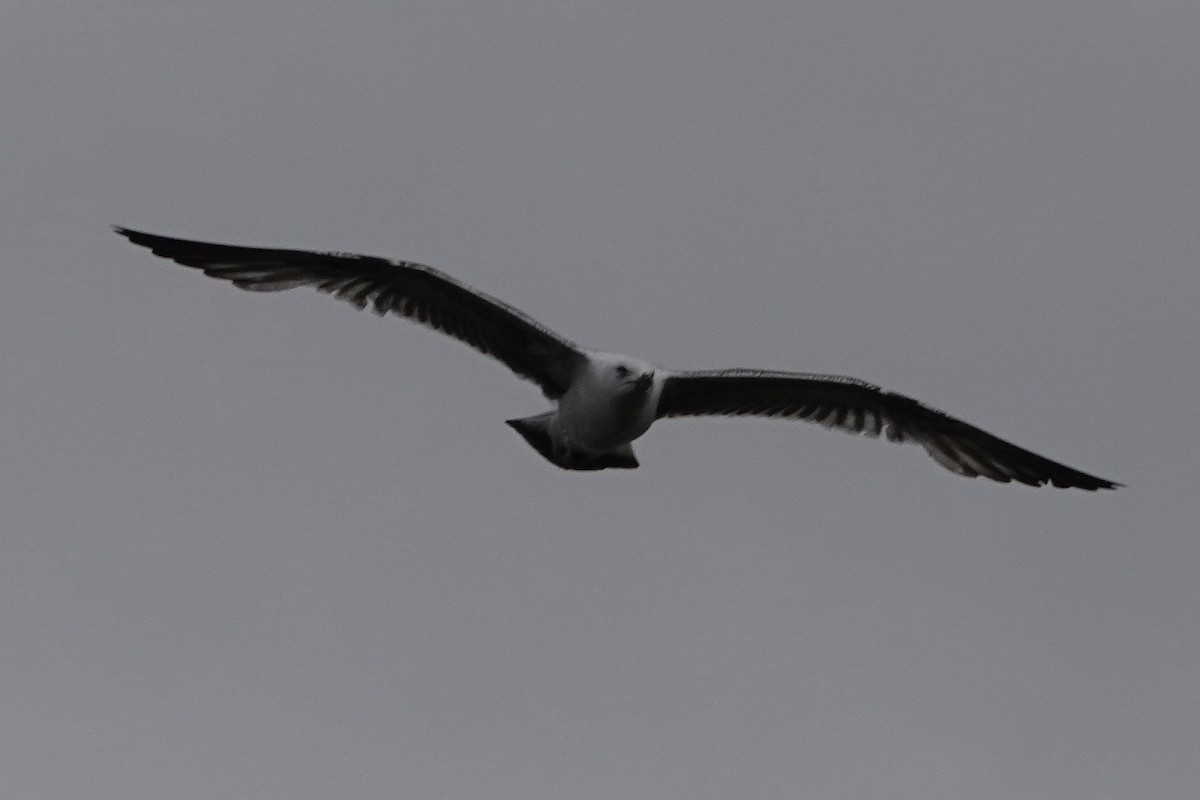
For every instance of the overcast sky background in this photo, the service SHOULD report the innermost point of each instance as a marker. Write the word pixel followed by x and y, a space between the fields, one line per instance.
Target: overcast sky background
pixel 266 547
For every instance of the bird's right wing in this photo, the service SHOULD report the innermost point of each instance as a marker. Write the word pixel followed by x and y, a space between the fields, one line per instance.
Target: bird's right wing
pixel 859 407
pixel 420 293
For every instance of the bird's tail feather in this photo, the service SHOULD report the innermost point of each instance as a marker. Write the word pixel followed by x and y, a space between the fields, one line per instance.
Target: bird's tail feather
pixel 536 431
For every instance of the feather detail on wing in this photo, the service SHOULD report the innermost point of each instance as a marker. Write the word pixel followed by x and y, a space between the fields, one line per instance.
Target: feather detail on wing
pixel 859 407
pixel 414 291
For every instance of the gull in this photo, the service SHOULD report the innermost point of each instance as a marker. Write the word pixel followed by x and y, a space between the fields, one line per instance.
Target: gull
pixel 604 401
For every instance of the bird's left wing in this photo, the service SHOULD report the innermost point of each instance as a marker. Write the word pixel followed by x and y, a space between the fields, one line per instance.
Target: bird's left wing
pixel 420 293
pixel 859 407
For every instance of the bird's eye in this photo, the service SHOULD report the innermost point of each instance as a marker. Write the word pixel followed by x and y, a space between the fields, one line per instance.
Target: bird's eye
pixel 622 371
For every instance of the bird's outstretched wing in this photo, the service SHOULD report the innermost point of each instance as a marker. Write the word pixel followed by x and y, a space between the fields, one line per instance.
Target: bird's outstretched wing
pixel 415 291
pixel 858 407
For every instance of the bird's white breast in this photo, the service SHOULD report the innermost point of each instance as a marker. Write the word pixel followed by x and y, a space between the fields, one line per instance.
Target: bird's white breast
pixel 601 411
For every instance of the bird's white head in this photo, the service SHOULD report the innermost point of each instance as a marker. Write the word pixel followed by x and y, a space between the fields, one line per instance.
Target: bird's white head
pixel 621 374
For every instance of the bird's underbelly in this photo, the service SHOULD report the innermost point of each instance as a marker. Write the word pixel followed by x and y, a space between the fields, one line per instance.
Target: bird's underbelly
pixel 599 426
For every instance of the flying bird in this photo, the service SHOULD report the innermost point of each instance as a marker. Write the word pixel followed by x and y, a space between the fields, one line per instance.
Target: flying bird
pixel 604 401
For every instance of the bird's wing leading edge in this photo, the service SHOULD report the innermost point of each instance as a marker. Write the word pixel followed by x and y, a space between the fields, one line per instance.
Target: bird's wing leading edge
pixel 415 291
pixel 858 407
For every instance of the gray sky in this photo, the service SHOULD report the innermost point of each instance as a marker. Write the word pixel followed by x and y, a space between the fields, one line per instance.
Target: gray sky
pixel 262 546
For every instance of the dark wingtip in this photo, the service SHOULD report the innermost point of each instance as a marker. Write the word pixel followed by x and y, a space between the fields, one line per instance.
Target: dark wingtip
pixel 1089 483
pixel 137 237
pixel 1074 479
